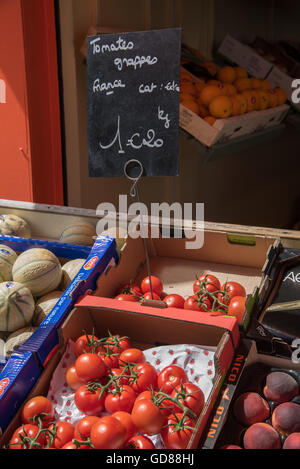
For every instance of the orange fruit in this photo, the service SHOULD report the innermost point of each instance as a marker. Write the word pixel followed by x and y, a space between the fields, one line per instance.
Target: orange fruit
pixel 281 95
pixel 256 83
pixel 215 82
pixel 273 98
pixel 208 93
pixel 199 85
pixel 240 72
pixel 257 100
pixel 265 85
pixel 243 103
pixel 203 111
pixel 210 67
pixel 264 99
pixel 229 90
pixel 226 74
pixel 186 97
pixel 221 107
pixel 188 87
pixel 236 106
pixel 242 84
pixel 210 120
pixel 191 105
pixel 251 100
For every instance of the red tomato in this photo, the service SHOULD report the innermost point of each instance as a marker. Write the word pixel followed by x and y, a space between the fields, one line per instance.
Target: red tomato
pixel 126 297
pixel 89 402
pixel 85 344
pixel 40 407
pixel 131 355
pixel 174 301
pixel 108 433
pixel 147 417
pixel 130 289
pixel 157 286
pixel 72 379
pixel 144 395
pixel 116 372
pixel 148 296
pixel 89 367
pixel 196 304
pixel 146 377
pixel 110 360
pixel 237 307
pixel 30 431
pixel 83 427
pixel 64 432
pixel 231 289
pixel 139 442
pixel 206 282
pixel 122 400
pixel 190 396
pixel 170 377
pixel 180 438
pixel 117 343
pixel 69 445
pixel 126 420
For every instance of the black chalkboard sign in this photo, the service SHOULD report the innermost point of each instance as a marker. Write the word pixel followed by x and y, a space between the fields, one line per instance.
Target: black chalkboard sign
pixel 133 102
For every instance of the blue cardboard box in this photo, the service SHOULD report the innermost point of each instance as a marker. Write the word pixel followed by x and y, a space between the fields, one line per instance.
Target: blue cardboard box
pixel 16 381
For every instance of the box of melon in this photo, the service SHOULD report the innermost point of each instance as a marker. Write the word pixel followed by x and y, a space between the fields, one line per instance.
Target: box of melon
pixel 119 376
pixel 226 276
pixel 37 275
pixel 258 406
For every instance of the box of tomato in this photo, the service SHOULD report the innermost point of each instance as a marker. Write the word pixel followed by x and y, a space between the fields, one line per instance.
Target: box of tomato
pixel 204 279
pixel 201 347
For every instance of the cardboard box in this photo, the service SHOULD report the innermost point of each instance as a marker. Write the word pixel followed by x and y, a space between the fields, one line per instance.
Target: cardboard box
pixel 146 329
pixel 245 57
pixel 239 258
pixel 247 374
pixel 224 130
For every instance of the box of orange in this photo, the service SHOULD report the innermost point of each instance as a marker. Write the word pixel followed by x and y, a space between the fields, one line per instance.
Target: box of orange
pixel 228 106
pixel 150 330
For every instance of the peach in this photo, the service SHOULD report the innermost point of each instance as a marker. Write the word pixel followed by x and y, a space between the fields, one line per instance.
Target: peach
pixel 261 436
pixel 250 408
pixel 292 441
pixel 286 418
pixel 280 387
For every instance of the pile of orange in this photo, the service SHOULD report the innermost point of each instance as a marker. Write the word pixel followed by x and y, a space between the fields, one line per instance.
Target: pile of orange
pixel 231 93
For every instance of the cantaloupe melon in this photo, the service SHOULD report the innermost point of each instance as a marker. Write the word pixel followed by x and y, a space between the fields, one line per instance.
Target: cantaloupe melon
pixel 80 233
pixel 44 305
pixel 16 306
pixel 16 339
pixel 69 270
pixel 7 259
pixel 12 225
pixel 39 270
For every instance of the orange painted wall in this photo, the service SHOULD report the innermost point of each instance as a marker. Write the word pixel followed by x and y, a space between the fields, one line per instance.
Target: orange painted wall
pixel 30 132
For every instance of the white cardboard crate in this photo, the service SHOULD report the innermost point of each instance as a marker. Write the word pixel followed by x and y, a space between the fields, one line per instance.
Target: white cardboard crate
pixel 230 128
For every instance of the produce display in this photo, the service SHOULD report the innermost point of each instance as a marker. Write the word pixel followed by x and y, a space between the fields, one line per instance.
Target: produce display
pixel 12 225
pixel 266 412
pixel 208 295
pixel 231 92
pixel 123 401
pixel 79 233
pixel 34 281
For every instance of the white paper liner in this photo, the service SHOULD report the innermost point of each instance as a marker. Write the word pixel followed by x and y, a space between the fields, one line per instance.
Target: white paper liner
pixel 198 363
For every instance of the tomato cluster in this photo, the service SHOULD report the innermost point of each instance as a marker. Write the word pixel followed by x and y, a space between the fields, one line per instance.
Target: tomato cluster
pixel 112 378
pixel 208 295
